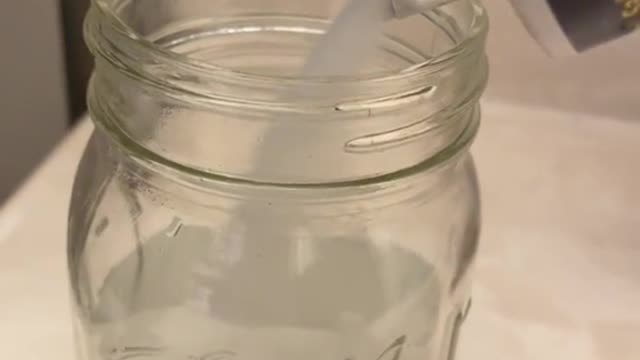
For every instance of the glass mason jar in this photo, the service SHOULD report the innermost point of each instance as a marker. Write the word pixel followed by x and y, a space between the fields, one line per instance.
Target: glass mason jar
pixel 228 208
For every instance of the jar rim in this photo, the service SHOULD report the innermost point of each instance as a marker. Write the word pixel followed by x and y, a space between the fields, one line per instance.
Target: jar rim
pixel 122 36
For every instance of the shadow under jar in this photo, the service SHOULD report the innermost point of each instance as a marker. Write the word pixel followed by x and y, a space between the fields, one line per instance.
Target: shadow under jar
pixel 227 208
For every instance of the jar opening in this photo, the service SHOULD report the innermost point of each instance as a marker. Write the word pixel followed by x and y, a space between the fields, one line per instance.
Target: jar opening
pixel 252 53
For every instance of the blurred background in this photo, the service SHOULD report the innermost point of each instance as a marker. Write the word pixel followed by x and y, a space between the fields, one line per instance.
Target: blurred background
pixel 45 67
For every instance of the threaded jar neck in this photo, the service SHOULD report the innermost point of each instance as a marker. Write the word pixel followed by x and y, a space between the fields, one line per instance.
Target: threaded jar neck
pixel 214 89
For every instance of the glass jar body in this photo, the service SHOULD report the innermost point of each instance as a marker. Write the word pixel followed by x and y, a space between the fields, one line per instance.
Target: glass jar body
pixel 161 270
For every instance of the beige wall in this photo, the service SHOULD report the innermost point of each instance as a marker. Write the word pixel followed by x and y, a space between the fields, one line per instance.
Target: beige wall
pixel 32 92
pixel 605 80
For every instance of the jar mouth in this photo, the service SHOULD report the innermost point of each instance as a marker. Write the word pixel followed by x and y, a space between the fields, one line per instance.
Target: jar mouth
pixel 112 38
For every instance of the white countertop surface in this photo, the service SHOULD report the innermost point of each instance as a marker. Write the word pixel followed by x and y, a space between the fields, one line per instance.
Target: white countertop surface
pixel 558 274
